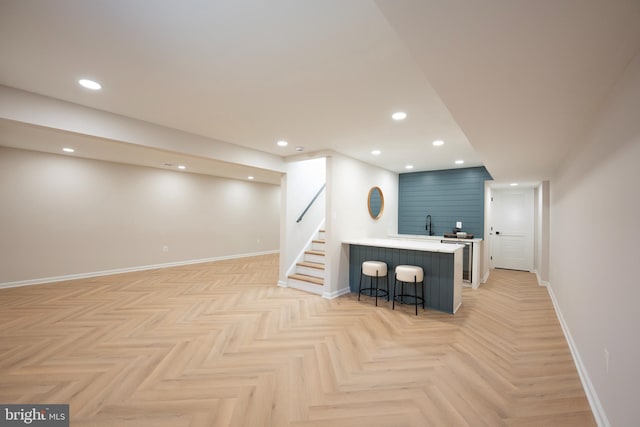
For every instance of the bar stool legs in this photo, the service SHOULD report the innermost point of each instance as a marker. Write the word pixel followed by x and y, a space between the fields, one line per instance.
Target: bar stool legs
pixel 407 275
pixel 410 274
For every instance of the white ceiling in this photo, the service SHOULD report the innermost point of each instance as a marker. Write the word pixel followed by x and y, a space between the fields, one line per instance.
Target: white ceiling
pixel 29 137
pixel 522 79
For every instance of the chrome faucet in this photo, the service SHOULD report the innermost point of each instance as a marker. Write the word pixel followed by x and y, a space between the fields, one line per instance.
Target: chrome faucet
pixel 428 226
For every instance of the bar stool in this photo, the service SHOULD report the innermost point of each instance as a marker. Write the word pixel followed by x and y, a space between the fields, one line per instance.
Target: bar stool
pixel 413 275
pixel 373 269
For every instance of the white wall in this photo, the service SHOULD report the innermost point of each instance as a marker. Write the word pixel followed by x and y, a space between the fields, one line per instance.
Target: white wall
pixel 594 252
pixel 485 260
pixel 541 232
pixel 61 215
pixel 300 184
pixel 348 185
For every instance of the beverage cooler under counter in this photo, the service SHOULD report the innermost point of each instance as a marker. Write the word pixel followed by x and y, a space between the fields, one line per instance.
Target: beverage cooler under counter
pixel 471 254
pixel 467 259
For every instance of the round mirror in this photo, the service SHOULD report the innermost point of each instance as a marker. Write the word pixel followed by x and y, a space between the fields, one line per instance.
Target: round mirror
pixel 375 202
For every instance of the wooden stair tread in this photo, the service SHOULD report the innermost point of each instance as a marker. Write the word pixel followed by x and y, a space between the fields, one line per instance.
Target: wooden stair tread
pixel 309 279
pixel 308 264
pixel 319 241
pixel 312 252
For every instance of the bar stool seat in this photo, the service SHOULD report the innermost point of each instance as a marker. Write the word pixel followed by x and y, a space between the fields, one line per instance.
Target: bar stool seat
pixel 412 275
pixel 377 270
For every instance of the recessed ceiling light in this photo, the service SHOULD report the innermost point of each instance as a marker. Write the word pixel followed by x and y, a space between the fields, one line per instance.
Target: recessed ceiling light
pixel 282 143
pixel 376 152
pixel 409 167
pixel 514 184
pixel 400 115
pixel 438 142
pixel 182 167
pixel 459 162
pixel 250 177
pixel 299 149
pixel 68 150
pixel 90 84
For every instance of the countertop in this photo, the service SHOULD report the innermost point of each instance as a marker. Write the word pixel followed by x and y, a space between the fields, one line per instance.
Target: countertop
pixel 410 244
pixel 437 238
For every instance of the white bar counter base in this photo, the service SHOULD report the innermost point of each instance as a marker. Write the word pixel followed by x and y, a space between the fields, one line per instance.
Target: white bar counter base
pixel 421 245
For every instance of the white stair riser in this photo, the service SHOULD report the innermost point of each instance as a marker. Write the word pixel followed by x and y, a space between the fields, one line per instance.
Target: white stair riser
pixel 321 235
pixel 305 286
pixel 315 272
pixel 318 246
pixel 314 258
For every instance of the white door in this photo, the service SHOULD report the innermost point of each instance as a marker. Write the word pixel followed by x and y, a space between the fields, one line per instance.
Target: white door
pixel 512 229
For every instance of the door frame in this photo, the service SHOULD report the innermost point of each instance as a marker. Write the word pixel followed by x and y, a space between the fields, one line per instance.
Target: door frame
pixel 487 259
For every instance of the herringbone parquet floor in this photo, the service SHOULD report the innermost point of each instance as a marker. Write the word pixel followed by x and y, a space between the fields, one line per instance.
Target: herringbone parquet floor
pixel 220 344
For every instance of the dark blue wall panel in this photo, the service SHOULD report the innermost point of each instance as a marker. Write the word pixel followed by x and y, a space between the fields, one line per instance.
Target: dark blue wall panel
pixel 447 195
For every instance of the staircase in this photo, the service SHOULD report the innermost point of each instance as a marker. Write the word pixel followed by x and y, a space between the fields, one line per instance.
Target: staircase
pixel 309 273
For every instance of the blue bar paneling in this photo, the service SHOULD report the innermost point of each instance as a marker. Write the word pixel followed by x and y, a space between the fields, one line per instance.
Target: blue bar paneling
pixel 447 195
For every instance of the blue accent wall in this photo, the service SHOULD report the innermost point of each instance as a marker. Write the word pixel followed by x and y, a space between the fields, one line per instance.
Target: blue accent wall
pixel 447 195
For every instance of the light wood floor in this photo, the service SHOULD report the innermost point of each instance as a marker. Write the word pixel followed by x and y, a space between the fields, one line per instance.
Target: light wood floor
pixel 220 344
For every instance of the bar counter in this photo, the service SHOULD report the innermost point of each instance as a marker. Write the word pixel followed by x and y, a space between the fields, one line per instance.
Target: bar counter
pixel 442 265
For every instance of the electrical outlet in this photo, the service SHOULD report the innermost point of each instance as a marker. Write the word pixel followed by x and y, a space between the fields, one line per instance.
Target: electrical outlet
pixel 606 360
pixel 459 225
pixel 165 248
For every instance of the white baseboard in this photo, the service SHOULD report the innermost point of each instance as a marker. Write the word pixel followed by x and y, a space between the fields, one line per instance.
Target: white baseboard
pixel 282 284
pixel 486 276
pixel 44 280
pixel 596 407
pixel 540 281
pixel 336 294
